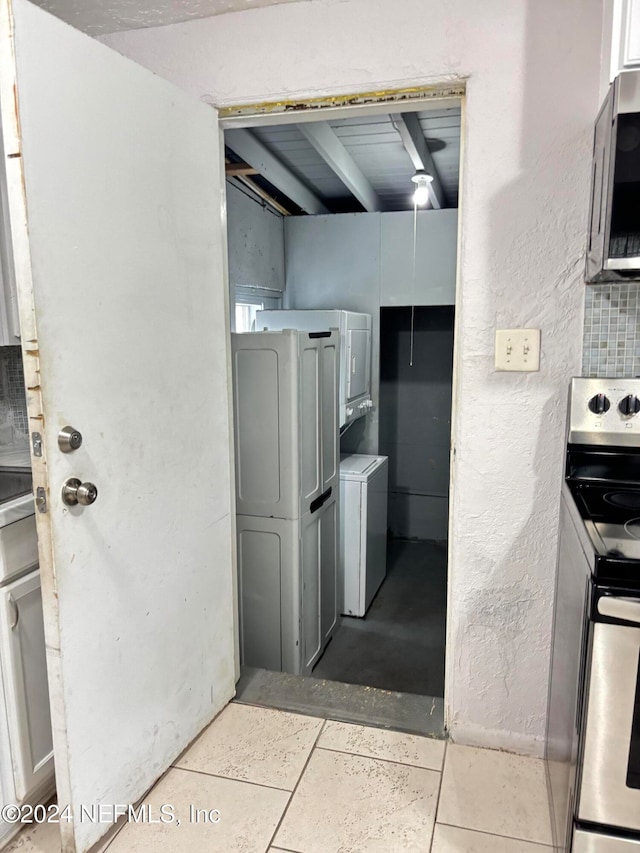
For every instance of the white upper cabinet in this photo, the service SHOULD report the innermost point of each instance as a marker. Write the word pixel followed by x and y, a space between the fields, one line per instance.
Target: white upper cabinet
pixel 625 37
pixel 632 42
pixel 631 32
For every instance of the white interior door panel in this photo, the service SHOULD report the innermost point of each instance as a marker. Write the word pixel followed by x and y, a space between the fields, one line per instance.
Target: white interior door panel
pixel 114 191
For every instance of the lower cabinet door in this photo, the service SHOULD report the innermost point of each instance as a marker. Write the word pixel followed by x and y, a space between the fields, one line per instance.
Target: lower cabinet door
pixel 24 670
pixel 328 571
pixel 310 545
pixel 319 578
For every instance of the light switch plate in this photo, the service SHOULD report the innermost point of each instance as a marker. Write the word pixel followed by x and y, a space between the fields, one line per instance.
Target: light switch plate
pixel 518 349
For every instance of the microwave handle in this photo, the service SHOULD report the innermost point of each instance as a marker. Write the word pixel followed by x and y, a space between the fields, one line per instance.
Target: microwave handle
pixel 619 607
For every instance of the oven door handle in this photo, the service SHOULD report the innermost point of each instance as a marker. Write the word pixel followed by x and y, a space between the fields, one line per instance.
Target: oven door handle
pixel 619 607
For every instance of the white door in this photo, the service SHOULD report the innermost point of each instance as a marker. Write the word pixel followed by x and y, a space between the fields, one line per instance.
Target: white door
pixel 118 249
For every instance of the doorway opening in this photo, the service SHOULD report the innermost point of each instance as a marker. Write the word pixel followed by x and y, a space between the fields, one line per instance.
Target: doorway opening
pixel 323 219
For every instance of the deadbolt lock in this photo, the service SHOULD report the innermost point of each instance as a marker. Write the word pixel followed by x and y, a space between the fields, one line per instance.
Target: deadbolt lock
pixel 69 439
pixel 75 492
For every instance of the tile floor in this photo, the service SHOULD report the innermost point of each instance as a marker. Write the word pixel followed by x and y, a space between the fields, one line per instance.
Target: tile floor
pixel 287 782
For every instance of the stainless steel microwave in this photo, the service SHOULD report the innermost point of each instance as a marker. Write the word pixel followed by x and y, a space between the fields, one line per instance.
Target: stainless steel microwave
pixel 613 247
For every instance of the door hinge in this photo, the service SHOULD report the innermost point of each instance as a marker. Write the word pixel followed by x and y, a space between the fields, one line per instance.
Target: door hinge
pixel 41 499
pixel 36 442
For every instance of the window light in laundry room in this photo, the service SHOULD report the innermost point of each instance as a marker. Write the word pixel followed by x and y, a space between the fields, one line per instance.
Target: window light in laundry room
pixel 422 180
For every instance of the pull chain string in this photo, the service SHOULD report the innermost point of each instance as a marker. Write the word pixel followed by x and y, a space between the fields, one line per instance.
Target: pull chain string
pixel 413 289
pixel 413 311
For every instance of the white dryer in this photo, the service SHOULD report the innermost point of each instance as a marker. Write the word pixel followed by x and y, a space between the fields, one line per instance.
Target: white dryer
pixel 363 529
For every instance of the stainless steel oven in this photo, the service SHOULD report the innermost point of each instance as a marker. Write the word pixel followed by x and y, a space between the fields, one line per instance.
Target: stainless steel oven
pixel 590 842
pixel 610 767
pixel 593 730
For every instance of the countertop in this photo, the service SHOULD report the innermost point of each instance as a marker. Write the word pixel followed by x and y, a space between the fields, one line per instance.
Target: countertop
pixel 16 496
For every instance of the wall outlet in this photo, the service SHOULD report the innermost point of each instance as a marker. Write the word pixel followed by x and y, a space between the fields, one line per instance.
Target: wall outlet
pixel 518 349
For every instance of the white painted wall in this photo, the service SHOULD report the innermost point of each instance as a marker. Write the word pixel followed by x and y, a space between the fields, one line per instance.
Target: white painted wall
pixel 355 261
pixel 533 69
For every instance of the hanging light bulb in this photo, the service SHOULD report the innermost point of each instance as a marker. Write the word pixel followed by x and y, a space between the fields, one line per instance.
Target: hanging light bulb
pixel 422 180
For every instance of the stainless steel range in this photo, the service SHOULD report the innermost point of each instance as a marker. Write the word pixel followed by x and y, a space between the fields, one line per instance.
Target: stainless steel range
pixel 593 733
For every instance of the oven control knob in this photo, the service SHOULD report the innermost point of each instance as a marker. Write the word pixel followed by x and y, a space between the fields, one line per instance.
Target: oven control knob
pixel 629 405
pixel 599 404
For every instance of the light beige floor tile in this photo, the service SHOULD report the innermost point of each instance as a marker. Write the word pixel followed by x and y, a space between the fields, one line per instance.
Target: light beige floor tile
pixel 352 804
pixel 39 838
pixel 255 745
pixel 249 815
pixel 452 839
pixel 381 743
pixel 495 792
pixel 45 838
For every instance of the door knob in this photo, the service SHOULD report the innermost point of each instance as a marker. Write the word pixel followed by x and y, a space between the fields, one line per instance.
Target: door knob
pixel 69 439
pixel 74 492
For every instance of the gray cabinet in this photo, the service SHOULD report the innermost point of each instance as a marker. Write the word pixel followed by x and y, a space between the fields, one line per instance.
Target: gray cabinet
pixel 319 567
pixel 24 674
pixel 329 562
pixel 288 588
pixel 287 475
pixel 286 420
pixel 310 562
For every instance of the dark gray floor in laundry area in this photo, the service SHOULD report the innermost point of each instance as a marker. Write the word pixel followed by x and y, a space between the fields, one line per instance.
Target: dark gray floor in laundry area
pixel 399 644
pixel 349 703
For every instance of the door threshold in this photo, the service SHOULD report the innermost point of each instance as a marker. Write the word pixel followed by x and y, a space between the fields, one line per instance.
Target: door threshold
pixel 348 703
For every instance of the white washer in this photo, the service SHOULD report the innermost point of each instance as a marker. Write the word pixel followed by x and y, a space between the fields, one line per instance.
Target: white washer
pixel 363 529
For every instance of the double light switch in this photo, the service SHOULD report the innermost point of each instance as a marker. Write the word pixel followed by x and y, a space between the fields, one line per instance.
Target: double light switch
pixel 517 349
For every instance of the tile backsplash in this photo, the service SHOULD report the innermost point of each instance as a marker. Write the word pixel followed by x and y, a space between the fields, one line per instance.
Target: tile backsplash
pixel 12 394
pixel 611 344
pixel 14 423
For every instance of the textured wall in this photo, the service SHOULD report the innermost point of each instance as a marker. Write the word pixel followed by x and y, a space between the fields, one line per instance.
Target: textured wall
pixel 533 69
pixel 611 344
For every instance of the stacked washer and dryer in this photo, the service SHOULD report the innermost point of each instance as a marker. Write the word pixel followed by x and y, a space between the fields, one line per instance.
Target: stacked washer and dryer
pixel 311 527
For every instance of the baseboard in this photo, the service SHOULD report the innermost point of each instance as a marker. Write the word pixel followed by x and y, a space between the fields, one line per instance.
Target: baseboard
pixel 516 742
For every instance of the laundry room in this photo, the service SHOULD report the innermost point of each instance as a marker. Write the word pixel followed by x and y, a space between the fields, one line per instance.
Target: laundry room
pixel 347 223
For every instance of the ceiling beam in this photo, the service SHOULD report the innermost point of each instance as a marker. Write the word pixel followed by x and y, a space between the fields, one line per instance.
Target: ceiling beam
pixel 263 194
pixel 408 126
pixel 253 151
pixel 232 170
pixel 324 140
pixel 245 179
